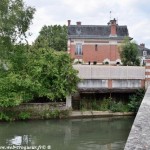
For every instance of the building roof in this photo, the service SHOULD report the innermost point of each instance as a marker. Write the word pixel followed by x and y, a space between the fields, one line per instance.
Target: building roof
pixel 95 31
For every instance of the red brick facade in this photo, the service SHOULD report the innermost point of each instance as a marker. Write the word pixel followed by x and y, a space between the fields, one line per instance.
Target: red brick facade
pixel 99 44
pixel 99 54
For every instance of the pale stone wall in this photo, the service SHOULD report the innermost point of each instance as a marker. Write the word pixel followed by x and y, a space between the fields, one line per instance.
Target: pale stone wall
pixel 104 84
pixel 40 107
pixel 139 137
pixel 126 84
pixel 93 84
pixel 110 72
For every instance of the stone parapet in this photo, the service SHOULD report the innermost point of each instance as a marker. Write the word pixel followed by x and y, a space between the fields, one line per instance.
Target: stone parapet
pixel 139 137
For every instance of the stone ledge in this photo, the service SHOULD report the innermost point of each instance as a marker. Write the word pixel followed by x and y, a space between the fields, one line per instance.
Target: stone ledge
pixel 82 114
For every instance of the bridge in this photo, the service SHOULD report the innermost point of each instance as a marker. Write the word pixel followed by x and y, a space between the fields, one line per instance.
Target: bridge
pixel 139 137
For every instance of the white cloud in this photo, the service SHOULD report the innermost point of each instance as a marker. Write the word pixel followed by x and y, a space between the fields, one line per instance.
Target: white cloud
pixel 133 13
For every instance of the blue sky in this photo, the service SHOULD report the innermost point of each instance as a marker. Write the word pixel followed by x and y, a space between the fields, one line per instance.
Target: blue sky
pixel 133 13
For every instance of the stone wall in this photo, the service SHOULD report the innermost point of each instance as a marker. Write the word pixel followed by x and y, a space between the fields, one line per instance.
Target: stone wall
pixel 38 107
pixel 110 72
pixel 139 137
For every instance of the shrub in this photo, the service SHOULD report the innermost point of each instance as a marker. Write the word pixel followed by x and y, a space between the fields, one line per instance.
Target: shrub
pixel 24 116
pixel 119 107
pixel 106 104
pixel 95 105
pixel 135 100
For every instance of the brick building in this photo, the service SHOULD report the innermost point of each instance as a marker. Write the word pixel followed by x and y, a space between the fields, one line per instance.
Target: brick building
pixel 96 44
pixel 144 53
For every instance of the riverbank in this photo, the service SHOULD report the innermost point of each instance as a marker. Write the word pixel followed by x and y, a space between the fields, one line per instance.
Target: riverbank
pixel 33 111
pixel 86 114
pixel 59 114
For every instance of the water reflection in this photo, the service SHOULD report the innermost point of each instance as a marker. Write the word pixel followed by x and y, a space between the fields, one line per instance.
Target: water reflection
pixel 77 134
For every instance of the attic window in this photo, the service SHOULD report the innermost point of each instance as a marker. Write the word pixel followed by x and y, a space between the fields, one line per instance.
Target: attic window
pixel 144 53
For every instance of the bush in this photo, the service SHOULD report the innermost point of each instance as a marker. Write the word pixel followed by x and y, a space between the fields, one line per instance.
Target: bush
pixel 105 104
pixel 135 100
pixel 53 114
pixel 119 107
pixel 95 105
pixel 24 116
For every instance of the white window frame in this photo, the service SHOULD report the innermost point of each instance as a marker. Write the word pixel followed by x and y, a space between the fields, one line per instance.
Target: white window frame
pixel 78 50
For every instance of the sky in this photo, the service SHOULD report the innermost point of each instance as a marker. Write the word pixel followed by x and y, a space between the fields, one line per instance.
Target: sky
pixel 133 13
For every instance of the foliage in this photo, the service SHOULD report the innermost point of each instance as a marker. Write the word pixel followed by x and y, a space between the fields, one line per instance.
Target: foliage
pixel 119 107
pixel 9 115
pixel 25 72
pixel 135 100
pixel 15 18
pixel 94 105
pixel 4 117
pixel 13 114
pixel 107 104
pixel 52 73
pixel 48 114
pixel 54 37
pixel 129 53
pixel 24 116
pixel 36 73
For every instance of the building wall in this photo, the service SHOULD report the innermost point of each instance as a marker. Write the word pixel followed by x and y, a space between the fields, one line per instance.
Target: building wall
pixel 95 51
pixel 96 77
pixel 110 72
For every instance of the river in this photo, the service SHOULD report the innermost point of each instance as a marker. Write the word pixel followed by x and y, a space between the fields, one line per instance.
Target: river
pixel 72 134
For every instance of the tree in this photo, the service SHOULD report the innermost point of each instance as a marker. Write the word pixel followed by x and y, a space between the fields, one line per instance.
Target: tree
pixel 54 37
pixel 15 18
pixel 26 72
pixel 129 53
pixel 52 74
pixel 37 73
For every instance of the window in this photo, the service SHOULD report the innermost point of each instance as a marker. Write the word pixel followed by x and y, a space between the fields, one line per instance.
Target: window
pixel 78 49
pixel 144 53
pixel 96 47
pixel 95 62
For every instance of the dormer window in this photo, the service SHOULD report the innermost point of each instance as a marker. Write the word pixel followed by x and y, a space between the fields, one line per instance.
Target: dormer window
pixel 78 49
pixel 144 53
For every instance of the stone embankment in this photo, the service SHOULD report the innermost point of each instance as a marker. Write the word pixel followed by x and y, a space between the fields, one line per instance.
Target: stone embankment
pixel 85 114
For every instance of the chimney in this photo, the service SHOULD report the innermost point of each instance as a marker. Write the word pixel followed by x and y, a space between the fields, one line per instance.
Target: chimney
pixel 142 45
pixel 113 26
pixel 69 22
pixel 79 23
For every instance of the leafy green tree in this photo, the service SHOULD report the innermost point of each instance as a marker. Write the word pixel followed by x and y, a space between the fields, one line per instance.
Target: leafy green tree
pixel 25 72
pixel 37 73
pixel 129 53
pixel 52 74
pixel 54 37
pixel 15 18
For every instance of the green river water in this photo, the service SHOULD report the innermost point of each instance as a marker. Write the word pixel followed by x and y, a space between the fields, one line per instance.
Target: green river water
pixel 73 134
